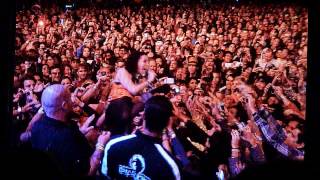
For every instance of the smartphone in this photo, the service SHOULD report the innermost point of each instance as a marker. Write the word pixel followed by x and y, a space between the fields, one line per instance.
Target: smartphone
pixel 145 35
pixel 89 61
pixel 220 175
pixel 61 21
pixel 169 81
pixel 223 88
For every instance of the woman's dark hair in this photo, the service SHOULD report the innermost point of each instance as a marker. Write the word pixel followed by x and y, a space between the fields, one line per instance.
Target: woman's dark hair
pixel 132 62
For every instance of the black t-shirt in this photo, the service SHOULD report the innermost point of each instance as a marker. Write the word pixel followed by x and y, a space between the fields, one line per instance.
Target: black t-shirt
pixel 64 143
pixel 138 156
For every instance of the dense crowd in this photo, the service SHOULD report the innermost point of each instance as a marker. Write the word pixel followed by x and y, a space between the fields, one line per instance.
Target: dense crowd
pixel 235 75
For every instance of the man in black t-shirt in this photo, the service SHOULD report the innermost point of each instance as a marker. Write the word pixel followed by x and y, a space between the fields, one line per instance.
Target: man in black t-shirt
pixel 141 155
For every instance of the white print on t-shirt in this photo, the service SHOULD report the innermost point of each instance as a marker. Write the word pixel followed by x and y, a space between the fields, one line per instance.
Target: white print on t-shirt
pixel 135 169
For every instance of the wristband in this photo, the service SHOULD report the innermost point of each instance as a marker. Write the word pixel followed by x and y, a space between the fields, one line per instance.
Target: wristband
pixel 171 134
pixel 100 146
pixel 19 109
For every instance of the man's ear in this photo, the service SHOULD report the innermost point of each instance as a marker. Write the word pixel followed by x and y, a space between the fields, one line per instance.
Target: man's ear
pixel 64 105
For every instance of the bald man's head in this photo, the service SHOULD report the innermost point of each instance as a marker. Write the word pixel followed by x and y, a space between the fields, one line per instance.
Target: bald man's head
pixel 55 99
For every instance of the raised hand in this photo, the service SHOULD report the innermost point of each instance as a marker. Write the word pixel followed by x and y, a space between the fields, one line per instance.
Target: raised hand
pixel 249 136
pixel 151 75
pixel 104 137
pixel 85 128
pixel 235 140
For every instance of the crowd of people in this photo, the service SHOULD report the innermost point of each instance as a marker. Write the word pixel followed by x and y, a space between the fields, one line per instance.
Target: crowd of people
pixel 235 76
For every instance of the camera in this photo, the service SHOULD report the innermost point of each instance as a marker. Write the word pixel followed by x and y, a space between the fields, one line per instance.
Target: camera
pixel 103 73
pixel 175 89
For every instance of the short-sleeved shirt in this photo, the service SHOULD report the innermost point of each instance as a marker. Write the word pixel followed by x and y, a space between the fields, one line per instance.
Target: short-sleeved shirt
pixel 138 156
pixel 64 143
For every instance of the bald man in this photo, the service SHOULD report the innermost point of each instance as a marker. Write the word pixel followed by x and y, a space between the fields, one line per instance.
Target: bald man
pixel 61 138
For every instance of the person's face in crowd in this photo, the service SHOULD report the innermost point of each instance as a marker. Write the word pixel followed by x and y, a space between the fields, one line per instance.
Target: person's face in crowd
pixel 67 71
pixel 86 52
pixel 55 75
pixel 45 70
pixel 159 62
pixel 246 73
pixel 153 65
pixel 42 46
pixel 173 65
pixel 292 138
pixel 66 82
pixel 37 78
pixel 292 125
pixel 275 43
pixel 136 45
pixel 227 58
pixel 68 53
pixel 192 84
pixel 260 85
pixel 215 42
pixel 229 82
pixel 41 51
pixel 180 32
pixel 232 48
pixel 244 35
pixel 290 46
pixel 74 34
pixel 272 101
pixel 188 33
pixel 116 51
pixel 273 33
pixel 192 68
pixel 267 56
pixel 138 38
pixel 54 19
pixel 229 101
pixel 28 85
pixel 64 59
pixel 194 34
pixel 52 30
pixel 42 39
pixel 82 73
pixel 50 61
pixel 121 52
pixel 83 34
pixel 142 64
pixel 69 44
pixel 179 74
pixel 18 69
pixel 183 91
pixel 120 64
pixel 278 54
pixel 215 78
pixel 293 71
pixel 232 114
